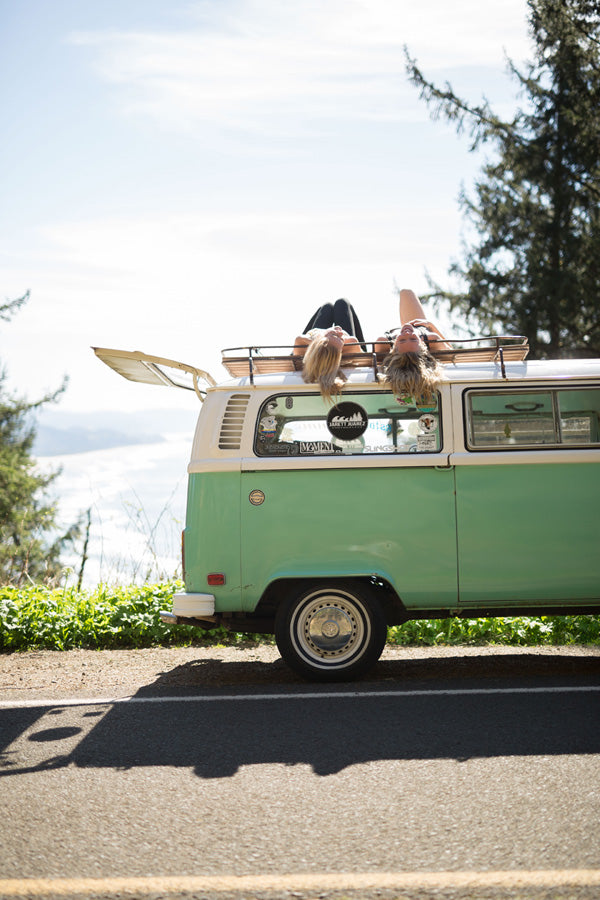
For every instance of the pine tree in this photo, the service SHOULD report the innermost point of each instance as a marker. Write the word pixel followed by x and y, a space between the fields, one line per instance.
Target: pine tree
pixel 534 266
pixel 29 545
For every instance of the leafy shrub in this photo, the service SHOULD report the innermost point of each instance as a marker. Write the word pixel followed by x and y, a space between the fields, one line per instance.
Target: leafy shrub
pixel 516 630
pixel 107 618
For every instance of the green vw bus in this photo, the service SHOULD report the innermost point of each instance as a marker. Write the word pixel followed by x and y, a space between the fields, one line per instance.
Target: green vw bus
pixel 324 524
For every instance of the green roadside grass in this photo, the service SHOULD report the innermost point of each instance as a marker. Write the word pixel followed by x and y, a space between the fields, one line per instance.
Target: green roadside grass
pixel 41 618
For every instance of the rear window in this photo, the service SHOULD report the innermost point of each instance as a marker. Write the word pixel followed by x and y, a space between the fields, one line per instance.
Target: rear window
pixel 367 422
pixel 532 418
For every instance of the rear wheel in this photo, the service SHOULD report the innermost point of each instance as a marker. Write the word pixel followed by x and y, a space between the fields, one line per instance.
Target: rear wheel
pixel 330 633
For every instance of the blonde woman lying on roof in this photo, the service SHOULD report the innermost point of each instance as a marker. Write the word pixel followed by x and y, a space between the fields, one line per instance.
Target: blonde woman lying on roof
pixel 411 369
pixel 333 332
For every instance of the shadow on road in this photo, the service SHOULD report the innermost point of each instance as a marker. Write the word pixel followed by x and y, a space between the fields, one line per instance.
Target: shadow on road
pixel 222 716
pixel 404 673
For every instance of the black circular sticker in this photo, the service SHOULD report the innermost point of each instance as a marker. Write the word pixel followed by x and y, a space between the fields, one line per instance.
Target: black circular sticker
pixel 347 421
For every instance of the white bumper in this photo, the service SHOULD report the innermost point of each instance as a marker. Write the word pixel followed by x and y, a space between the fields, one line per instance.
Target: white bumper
pixel 193 605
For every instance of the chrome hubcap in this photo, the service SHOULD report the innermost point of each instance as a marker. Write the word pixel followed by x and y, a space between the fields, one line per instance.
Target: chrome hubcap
pixel 331 627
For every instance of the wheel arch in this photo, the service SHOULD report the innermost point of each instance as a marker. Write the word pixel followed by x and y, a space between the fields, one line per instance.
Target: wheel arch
pixel 391 604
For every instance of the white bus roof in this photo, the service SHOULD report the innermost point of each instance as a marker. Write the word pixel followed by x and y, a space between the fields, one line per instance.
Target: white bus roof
pixel 538 370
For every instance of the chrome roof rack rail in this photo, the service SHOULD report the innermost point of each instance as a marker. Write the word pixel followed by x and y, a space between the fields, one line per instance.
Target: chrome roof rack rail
pixel 241 362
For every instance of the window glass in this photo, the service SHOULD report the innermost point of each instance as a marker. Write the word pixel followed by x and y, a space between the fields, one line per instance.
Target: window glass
pixel 579 416
pixel 358 423
pixel 509 419
pixel 516 419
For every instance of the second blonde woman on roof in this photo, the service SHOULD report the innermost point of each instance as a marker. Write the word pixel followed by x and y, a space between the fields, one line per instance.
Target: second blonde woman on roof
pixel 411 369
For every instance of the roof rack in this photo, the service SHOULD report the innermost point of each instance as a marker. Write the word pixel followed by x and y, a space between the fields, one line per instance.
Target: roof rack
pixel 250 361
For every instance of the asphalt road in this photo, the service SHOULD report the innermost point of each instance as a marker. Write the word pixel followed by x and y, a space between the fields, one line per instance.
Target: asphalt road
pixel 446 786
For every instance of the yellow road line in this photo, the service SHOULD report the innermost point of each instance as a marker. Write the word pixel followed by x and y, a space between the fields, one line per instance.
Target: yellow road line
pixel 65 887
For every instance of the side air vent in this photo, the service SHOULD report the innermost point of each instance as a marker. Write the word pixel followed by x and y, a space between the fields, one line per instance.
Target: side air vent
pixel 230 437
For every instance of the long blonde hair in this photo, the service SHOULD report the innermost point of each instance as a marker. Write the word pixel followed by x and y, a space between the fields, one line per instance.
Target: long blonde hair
pixel 321 365
pixel 414 374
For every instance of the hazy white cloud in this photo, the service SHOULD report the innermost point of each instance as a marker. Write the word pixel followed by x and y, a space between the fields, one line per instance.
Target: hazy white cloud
pixel 249 64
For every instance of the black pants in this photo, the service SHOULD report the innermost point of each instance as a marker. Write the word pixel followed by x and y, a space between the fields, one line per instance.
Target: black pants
pixel 339 313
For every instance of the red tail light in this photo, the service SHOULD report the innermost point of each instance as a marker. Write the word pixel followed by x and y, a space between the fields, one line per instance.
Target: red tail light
pixel 215 578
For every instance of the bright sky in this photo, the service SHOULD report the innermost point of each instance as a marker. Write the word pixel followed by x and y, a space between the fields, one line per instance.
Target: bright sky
pixel 182 176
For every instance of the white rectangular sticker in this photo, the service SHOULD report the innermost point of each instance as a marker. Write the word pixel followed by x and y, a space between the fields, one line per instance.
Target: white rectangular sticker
pixel 427 442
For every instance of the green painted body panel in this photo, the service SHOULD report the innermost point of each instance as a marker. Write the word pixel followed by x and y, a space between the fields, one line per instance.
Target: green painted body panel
pixel 212 536
pixel 398 523
pixel 528 533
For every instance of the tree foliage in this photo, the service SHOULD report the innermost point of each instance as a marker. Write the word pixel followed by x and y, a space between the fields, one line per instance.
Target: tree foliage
pixel 533 268
pixel 28 551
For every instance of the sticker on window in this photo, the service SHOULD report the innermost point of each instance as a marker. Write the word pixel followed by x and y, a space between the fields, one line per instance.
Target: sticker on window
pixel 347 421
pixel 316 447
pixel 426 442
pixel 428 423
pixel 408 402
pixel 267 427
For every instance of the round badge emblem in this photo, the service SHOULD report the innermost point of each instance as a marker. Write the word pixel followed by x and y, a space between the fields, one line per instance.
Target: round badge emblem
pixel 347 421
pixel 256 498
pixel 428 423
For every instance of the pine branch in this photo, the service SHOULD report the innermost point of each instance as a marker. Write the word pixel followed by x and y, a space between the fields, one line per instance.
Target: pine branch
pixel 484 123
pixel 8 309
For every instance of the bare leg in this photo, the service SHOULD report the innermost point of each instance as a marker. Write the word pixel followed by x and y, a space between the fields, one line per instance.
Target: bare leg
pixel 410 307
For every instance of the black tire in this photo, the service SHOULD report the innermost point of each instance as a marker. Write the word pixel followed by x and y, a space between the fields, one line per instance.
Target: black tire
pixel 330 633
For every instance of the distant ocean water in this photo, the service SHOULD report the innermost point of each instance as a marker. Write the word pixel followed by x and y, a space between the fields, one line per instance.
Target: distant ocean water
pixel 137 497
